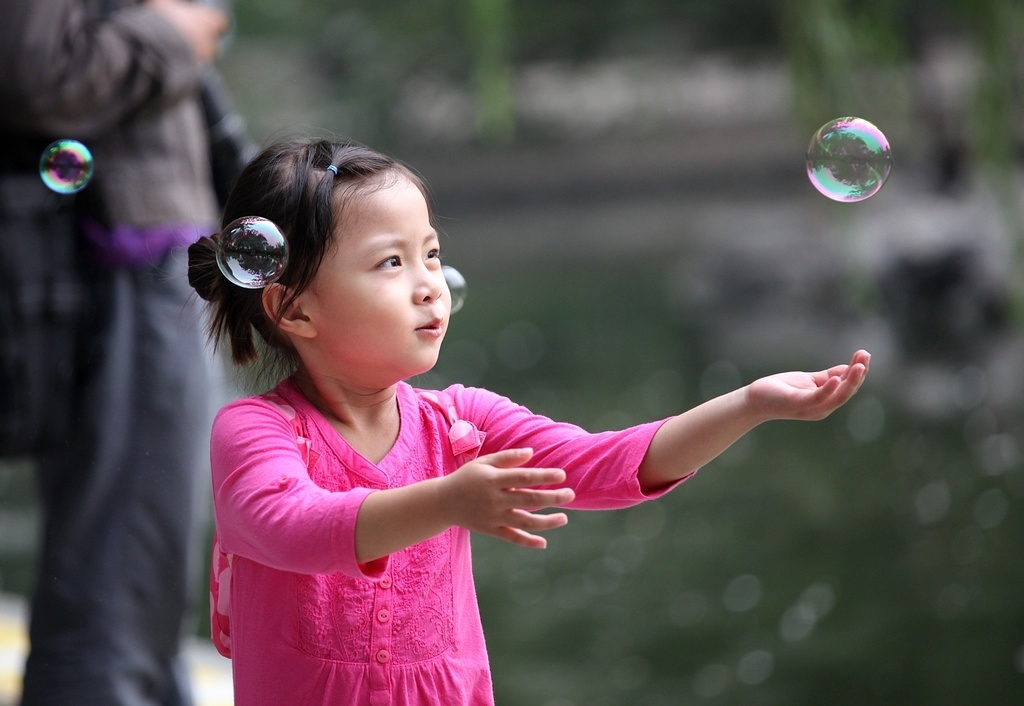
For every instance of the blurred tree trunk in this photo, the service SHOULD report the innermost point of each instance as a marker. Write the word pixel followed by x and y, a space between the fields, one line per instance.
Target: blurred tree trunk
pixel 999 28
pixel 489 29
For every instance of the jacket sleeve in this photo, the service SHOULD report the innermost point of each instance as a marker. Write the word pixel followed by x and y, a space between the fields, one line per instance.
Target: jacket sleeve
pixel 65 71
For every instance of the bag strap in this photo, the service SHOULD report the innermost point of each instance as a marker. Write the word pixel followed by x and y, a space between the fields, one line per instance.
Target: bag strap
pixel 308 453
pixel 465 438
pixel 222 563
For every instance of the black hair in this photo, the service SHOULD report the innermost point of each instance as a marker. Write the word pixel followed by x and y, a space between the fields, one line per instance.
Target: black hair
pixel 290 184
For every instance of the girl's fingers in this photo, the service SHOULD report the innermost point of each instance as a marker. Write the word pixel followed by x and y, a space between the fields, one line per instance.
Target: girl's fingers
pixel 828 387
pixel 532 477
pixel 507 458
pixel 523 539
pixel 844 370
pixel 524 523
pixel 537 499
pixel 536 522
pixel 514 476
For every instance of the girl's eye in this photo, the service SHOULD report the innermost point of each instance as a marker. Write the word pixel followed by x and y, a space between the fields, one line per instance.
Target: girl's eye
pixel 393 261
pixel 434 254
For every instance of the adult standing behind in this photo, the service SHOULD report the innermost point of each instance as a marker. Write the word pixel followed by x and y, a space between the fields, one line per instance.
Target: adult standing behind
pixel 120 488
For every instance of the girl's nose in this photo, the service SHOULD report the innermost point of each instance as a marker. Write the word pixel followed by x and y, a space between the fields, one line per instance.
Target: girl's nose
pixel 432 285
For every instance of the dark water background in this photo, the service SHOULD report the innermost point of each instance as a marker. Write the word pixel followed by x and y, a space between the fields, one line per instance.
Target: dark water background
pixel 873 557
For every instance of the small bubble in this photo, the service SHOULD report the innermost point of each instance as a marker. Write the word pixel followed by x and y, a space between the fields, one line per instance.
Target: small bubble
pixel 866 419
pixel 742 593
pixel 998 454
pixel 798 622
pixel 755 667
pixel 66 166
pixel 848 159
pixel 456 285
pixel 645 521
pixel 932 502
pixel 252 252
pixel 820 596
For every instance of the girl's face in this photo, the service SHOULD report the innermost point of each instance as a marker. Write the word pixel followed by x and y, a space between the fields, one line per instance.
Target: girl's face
pixel 379 302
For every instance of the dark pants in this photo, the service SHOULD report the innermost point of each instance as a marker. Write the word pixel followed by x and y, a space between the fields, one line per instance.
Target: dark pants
pixel 123 501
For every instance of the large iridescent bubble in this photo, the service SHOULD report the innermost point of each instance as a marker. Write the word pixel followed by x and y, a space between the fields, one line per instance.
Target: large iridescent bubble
pixel 66 166
pixel 252 252
pixel 848 159
pixel 456 285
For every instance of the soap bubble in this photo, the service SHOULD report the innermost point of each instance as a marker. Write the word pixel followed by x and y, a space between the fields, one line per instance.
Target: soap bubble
pixel 848 159
pixel 66 166
pixel 456 285
pixel 252 252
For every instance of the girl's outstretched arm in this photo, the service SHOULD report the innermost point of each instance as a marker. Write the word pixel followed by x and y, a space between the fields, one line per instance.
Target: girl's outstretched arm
pixel 493 495
pixel 687 442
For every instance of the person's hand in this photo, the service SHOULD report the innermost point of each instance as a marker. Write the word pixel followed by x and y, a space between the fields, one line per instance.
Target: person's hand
pixel 495 496
pixel 808 396
pixel 201 25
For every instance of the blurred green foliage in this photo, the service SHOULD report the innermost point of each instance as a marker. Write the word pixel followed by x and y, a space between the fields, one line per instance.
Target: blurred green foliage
pixel 380 71
pixel 368 50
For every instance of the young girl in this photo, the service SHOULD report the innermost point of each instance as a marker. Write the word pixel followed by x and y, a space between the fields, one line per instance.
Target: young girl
pixel 345 498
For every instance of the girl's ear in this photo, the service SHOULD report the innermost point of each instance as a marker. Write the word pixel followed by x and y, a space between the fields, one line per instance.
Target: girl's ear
pixel 290 317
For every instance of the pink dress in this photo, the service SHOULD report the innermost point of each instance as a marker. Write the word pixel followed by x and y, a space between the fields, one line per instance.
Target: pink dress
pixel 311 626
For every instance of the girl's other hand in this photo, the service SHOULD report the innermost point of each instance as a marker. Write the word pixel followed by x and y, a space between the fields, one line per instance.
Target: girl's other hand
pixel 808 396
pixel 494 495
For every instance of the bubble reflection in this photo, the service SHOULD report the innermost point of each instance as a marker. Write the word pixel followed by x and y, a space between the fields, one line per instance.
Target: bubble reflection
pixel 848 159
pixel 252 252
pixel 456 286
pixel 66 166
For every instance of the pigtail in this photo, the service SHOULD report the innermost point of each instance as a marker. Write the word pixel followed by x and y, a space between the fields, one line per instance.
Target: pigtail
pixel 203 274
pixel 205 277
pixel 243 345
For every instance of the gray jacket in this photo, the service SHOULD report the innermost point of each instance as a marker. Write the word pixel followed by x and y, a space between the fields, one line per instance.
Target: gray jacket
pixel 125 85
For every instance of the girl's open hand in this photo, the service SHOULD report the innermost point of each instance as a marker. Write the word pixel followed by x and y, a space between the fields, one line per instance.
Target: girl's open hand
pixel 494 495
pixel 808 396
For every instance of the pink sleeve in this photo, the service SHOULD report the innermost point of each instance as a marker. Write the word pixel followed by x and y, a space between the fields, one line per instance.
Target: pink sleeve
pixel 601 467
pixel 267 508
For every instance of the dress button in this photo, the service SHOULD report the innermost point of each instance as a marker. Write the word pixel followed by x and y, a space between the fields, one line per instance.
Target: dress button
pixel 384 616
pixel 383 656
pixel 385 582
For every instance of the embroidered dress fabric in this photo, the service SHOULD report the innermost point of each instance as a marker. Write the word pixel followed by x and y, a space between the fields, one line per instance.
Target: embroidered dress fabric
pixel 309 624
